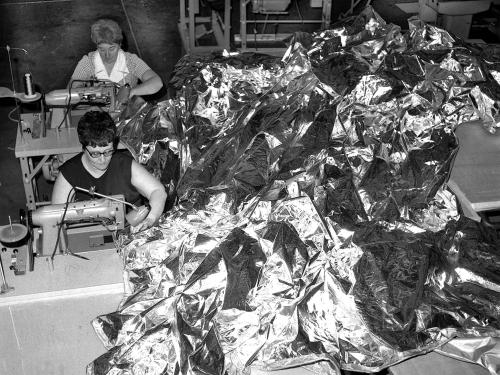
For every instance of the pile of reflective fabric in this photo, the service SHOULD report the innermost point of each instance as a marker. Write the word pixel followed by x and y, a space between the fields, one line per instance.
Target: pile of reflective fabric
pixel 313 224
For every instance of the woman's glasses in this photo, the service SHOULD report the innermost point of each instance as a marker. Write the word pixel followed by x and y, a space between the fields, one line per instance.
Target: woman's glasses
pixel 96 154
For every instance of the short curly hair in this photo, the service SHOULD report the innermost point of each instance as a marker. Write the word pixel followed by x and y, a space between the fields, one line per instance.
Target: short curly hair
pixel 107 31
pixel 97 129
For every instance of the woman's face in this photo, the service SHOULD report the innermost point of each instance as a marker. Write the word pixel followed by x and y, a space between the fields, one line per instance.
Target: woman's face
pixel 108 52
pixel 99 157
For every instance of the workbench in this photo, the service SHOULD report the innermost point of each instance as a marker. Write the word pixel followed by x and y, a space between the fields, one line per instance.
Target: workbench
pixel 475 175
pixel 46 320
pixel 454 16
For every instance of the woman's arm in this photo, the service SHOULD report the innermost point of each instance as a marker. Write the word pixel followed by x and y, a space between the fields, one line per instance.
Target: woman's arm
pixel 151 83
pixel 61 190
pixel 83 71
pixel 152 189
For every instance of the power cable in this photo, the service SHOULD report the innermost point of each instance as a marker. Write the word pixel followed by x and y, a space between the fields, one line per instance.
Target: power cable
pixel 131 30
pixel 61 224
pixel 60 230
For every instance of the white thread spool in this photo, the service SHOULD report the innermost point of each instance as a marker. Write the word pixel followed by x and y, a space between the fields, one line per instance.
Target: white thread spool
pixel 28 86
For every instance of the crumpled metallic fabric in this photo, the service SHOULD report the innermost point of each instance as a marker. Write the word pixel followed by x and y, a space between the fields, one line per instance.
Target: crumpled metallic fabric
pixel 314 226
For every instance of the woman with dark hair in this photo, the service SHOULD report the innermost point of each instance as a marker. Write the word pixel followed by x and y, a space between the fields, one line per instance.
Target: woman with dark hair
pixel 110 63
pixel 101 168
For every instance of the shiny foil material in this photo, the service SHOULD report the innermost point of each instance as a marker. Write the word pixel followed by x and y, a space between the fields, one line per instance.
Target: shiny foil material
pixel 314 227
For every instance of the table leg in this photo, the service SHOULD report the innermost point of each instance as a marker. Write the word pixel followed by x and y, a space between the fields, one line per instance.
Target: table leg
pixel 28 184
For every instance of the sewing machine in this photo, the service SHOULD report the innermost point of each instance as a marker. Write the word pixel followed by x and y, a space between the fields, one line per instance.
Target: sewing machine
pixel 63 108
pixel 78 226
pixel 66 106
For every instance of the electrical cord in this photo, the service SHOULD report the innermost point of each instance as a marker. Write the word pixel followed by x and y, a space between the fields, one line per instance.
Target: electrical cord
pixel 67 108
pixel 299 12
pixel 60 230
pixel 10 113
pixel 61 224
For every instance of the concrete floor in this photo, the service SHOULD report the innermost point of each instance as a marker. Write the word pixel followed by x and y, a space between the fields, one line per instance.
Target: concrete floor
pixel 55 33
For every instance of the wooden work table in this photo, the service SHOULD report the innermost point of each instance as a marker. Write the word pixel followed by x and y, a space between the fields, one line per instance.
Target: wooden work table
pixel 56 141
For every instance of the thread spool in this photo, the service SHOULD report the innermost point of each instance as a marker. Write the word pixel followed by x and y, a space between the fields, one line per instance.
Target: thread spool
pixel 28 86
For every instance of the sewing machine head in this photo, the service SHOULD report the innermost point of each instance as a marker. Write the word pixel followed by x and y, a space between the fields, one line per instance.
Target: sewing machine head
pixel 67 105
pixel 78 226
pixel 103 94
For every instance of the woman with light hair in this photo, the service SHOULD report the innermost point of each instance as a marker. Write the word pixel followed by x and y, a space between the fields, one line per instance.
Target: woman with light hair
pixel 109 62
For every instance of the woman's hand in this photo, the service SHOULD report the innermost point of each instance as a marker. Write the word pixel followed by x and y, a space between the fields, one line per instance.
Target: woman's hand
pixel 147 223
pixel 150 188
pixel 150 84
pixel 124 94
pixel 131 94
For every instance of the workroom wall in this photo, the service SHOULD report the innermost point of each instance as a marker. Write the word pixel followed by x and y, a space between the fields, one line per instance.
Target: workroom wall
pixel 56 35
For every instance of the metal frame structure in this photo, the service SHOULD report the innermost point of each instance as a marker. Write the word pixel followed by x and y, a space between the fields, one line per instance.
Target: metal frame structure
pixel 190 23
pixel 192 27
pixel 243 36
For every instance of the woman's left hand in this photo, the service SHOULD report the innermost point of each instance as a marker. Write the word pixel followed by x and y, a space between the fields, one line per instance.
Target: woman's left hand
pixel 131 94
pixel 123 94
pixel 147 223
